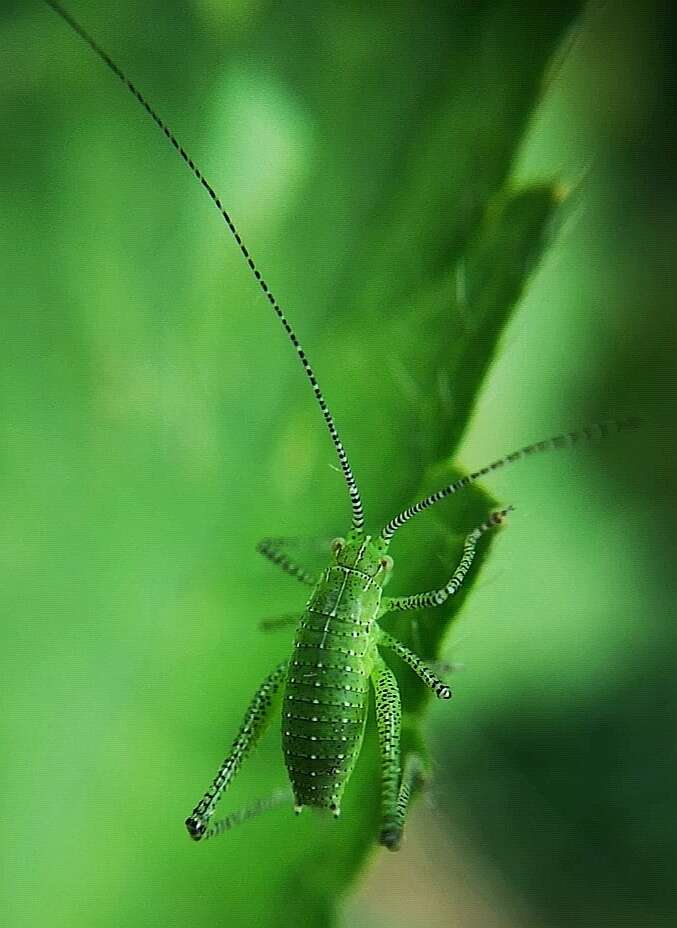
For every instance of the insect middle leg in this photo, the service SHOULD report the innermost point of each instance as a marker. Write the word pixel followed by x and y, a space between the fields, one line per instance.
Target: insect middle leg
pixel 253 726
pixel 420 667
pixel 279 621
pixel 396 787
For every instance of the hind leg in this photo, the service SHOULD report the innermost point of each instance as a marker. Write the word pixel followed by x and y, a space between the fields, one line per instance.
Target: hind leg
pixel 396 786
pixel 255 721
pixel 280 797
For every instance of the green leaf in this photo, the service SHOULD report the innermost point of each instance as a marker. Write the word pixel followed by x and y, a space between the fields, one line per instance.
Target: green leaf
pixel 157 424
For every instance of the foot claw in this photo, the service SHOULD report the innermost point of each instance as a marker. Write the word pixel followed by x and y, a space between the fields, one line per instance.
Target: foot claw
pixel 390 837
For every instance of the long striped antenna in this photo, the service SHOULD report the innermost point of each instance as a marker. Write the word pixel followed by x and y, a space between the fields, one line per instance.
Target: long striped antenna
pixel 566 440
pixel 354 493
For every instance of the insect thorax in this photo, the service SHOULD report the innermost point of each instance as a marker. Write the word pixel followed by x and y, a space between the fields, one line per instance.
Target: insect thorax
pixel 326 695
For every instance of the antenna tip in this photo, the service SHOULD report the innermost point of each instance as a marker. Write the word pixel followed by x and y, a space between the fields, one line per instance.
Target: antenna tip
pixel 497 518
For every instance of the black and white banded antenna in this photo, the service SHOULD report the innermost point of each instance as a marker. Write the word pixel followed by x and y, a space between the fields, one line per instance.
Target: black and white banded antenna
pixel 351 483
pixel 566 440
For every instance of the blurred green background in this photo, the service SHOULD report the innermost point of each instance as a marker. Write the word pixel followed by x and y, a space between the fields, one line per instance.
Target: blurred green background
pixel 155 425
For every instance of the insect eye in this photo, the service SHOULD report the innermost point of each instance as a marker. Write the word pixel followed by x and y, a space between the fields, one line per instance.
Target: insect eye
pixel 386 563
pixel 337 545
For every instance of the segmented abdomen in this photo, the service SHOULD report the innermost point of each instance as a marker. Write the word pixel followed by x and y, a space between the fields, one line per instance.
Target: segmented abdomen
pixel 327 689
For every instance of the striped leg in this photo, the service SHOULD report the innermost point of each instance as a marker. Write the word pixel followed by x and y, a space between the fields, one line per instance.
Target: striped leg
pixel 389 722
pixel 253 726
pixel 395 791
pixel 280 797
pixel 274 550
pixel 420 667
pixel 412 778
pixel 279 621
pixel 437 597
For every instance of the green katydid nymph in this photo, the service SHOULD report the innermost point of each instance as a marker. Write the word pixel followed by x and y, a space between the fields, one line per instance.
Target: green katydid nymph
pixel 323 689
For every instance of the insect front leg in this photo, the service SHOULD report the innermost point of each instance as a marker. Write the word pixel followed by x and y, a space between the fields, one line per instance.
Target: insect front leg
pixel 437 597
pixel 396 790
pixel 274 550
pixel 253 726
